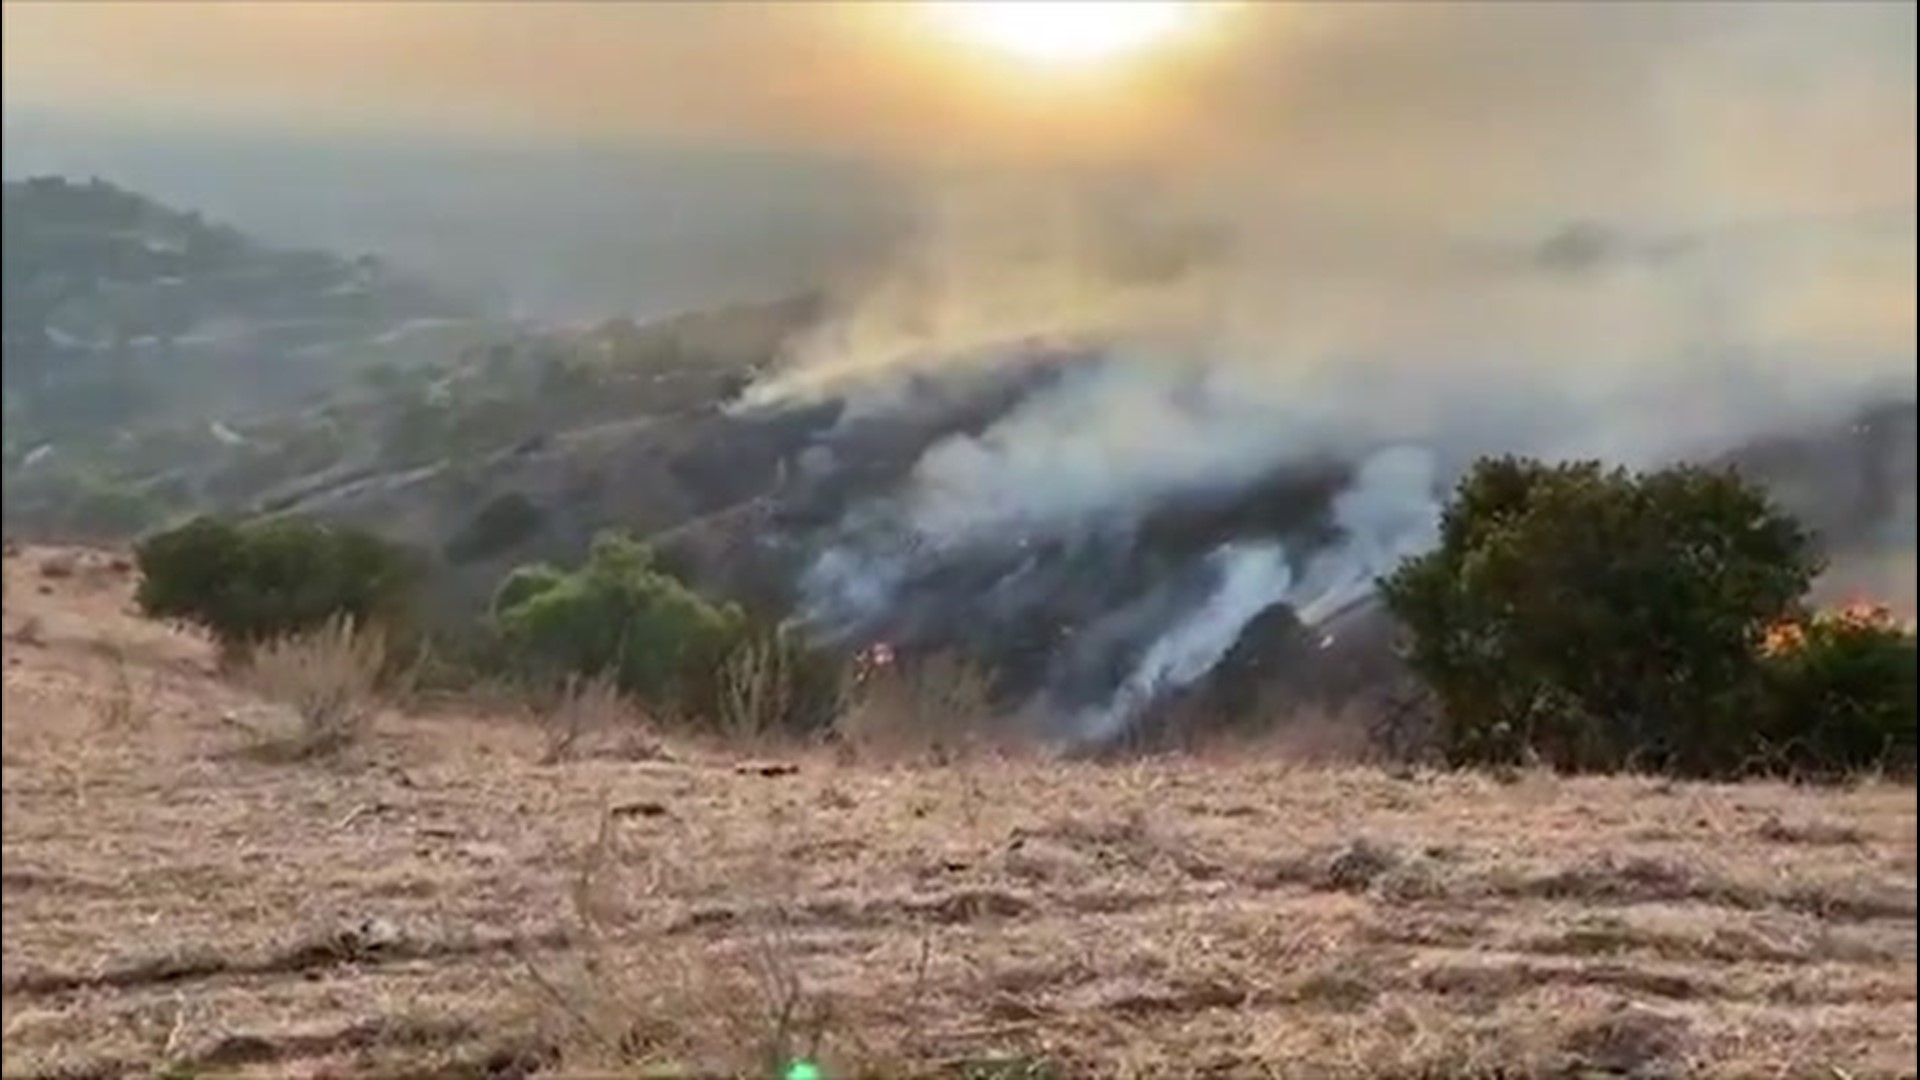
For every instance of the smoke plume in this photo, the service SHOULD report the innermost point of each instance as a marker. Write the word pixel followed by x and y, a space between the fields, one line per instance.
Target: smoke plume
pixel 1633 233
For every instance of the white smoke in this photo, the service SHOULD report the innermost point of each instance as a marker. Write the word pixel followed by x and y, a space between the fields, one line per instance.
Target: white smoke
pixel 1390 512
pixel 1110 441
pixel 989 270
pixel 847 586
pixel 1253 578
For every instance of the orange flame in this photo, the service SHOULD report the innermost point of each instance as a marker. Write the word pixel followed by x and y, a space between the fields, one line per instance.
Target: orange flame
pixel 1790 635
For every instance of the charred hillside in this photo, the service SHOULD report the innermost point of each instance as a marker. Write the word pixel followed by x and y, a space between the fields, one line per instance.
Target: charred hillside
pixel 1225 593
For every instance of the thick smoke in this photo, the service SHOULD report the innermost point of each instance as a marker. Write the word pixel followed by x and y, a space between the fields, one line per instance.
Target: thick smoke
pixel 1628 232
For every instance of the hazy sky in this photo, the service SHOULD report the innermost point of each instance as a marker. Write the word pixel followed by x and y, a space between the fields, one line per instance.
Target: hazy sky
pixel 1470 119
pixel 855 75
pixel 1817 94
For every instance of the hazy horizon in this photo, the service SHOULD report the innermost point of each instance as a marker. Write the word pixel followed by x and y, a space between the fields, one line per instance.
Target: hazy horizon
pixel 647 156
pixel 567 233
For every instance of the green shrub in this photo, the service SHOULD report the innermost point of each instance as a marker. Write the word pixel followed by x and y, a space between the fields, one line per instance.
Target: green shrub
pixel 1601 619
pixel 250 582
pixel 615 616
pixel 1842 691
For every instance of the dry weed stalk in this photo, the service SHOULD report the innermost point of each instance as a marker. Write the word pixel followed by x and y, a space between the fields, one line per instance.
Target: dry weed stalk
pixel 720 1012
pixel 330 677
pixel 31 631
pixel 756 688
pixel 933 704
pixel 114 709
pixel 584 705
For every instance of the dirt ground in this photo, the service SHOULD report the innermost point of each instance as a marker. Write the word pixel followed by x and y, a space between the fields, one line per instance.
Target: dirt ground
pixel 438 902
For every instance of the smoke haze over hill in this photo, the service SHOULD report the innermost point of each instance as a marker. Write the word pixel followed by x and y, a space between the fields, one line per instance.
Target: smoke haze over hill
pixel 1575 251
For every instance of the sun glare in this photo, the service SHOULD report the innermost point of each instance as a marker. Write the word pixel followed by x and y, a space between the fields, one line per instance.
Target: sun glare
pixel 1064 32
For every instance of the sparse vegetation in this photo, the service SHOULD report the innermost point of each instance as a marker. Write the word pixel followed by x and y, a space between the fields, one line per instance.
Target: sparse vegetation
pixel 247 583
pixel 746 1012
pixel 1603 620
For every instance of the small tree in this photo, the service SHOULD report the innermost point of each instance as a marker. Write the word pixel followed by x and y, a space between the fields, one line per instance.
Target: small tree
pixel 251 582
pixel 1599 618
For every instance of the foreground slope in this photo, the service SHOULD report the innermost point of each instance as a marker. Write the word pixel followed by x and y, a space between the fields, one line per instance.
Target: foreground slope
pixel 440 903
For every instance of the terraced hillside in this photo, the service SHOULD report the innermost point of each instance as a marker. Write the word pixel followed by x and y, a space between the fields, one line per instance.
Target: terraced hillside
pixel 142 341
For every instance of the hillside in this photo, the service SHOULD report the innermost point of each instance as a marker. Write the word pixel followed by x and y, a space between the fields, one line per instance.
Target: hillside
pixel 757 505
pixel 159 364
pixel 491 447
pixel 127 321
pixel 440 903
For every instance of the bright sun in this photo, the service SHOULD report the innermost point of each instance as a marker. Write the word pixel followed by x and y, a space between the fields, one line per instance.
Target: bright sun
pixel 1061 32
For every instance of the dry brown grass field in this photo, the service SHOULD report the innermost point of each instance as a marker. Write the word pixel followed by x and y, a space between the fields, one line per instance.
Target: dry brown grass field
pixel 446 894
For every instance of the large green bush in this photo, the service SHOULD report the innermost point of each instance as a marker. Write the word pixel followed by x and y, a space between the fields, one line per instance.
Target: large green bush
pixel 1602 619
pixel 615 616
pixel 249 582
pixel 620 616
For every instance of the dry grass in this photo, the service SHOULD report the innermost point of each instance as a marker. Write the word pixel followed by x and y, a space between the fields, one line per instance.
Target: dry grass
pixel 599 1011
pixel 457 909
pixel 937 705
pixel 329 678
pixel 116 707
pixel 583 708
